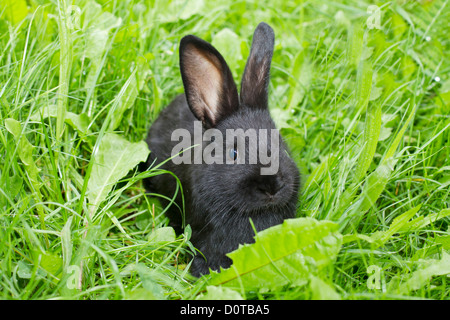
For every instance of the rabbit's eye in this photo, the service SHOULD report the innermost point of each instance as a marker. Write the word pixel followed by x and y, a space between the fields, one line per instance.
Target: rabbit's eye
pixel 232 153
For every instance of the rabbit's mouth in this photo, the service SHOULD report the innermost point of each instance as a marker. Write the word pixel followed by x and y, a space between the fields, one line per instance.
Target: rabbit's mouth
pixel 270 205
pixel 275 198
pixel 265 193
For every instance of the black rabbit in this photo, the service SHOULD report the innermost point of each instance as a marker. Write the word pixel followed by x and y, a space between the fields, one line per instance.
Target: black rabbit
pixel 221 198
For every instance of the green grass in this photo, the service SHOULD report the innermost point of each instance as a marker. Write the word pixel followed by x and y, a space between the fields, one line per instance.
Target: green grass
pixel 366 112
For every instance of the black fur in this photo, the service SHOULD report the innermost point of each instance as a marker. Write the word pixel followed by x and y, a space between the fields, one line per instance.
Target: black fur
pixel 220 199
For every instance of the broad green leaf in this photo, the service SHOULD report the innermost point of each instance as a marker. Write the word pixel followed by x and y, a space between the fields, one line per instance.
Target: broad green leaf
pixel 355 44
pixel 371 137
pixel 220 293
pixel 397 224
pixel 281 117
pixel 394 145
pixel 51 263
pixel 409 66
pixel 363 85
pixel 15 10
pixel 284 254
pixel 346 199
pixel 179 9
pixel 124 100
pixel 65 65
pixel 100 23
pixel 375 184
pixel 66 243
pixel 96 38
pixel 422 221
pixel 375 93
pixel 300 80
pixel 321 290
pixel 143 70
pixel 13 126
pixel 13 186
pixel 341 19
pixel 96 43
pixel 444 241
pixel 354 237
pixel 189 7
pixel 421 277
pixel 24 270
pixel 399 25
pixel 427 251
pixel 385 133
pixel 163 234
pixel 443 99
pixel 114 158
pixel 78 122
pixel 157 93
pixel 228 44
pixel 24 150
pixel 149 282
pixel 141 294
pixel 44 112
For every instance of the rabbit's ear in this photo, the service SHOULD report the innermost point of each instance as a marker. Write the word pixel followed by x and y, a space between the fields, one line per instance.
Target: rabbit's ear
pixel 255 80
pixel 209 86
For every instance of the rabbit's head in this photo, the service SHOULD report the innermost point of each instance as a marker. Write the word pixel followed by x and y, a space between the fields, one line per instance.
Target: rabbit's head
pixel 253 172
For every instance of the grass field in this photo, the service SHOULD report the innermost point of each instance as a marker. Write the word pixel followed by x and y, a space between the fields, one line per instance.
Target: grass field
pixel 360 91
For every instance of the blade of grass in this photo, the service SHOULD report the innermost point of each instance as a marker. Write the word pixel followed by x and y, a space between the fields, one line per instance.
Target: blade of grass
pixel 65 56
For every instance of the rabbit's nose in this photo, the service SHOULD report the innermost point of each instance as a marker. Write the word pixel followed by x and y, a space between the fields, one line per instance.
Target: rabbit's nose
pixel 270 185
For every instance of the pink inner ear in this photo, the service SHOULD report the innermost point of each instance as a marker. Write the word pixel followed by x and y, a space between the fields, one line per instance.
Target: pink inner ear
pixel 205 80
pixel 254 81
pixel 255 72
